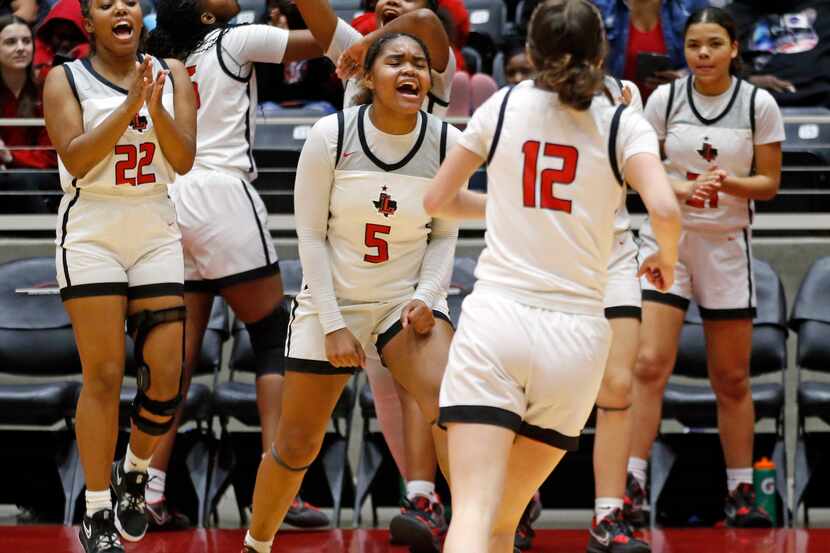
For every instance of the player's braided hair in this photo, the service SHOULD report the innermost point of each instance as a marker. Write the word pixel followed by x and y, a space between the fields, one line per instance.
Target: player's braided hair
pixel 179 29
pixel 365 95
pixel 566 43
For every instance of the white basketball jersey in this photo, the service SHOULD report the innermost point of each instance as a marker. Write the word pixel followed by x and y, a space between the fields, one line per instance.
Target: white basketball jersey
pixel 622 221
pixel 693 143
pixel 226 99
pixel 378 228
pixel 136 166
pixel 552 195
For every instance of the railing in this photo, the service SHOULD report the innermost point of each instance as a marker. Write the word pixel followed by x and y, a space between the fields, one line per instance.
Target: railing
pixel 802 206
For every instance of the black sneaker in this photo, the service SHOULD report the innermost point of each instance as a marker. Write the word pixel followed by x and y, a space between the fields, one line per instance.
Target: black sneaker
pixel 130 510
pixel 305 515
pixel 636 511
pixel 524 531
pixel 421 525
pixel 742 512
pixel 613 535
pixel 98 534
pixel 162 518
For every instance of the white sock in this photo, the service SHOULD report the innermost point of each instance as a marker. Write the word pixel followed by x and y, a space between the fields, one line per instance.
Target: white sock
pixel 258 546
pixel 414 488
pixel 97 501
pixel 637 467
pixel 604 506
pixel 736 477
pixel 133 463
pixel 155 485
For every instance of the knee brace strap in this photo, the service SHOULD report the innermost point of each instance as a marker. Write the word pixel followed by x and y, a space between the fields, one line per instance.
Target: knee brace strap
pixel 140 325
pixel 268 341
pixel 626 408
pixel 283 464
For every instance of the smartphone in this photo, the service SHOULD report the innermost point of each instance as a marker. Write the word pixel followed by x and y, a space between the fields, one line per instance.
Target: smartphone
pixel 649 63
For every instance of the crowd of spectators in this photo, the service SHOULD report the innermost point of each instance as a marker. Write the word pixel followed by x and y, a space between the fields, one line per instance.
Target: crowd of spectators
pixel 785 48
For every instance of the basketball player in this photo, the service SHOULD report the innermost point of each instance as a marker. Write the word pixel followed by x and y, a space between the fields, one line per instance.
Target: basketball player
pixel 122 130
pixel 374 265
pixel 227 245
pixel 528 359
pixel 407 433
pixel 722 140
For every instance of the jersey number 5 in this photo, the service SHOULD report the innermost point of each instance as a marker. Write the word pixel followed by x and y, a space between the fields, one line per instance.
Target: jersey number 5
pixel 569 156
pixel 373 241
pixel 148 150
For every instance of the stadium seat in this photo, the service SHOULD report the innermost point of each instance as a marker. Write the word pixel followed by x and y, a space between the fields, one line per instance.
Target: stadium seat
pixel 250 11
pixel 811 320
pixel 694 405
pixel 36 341
pixel 236 399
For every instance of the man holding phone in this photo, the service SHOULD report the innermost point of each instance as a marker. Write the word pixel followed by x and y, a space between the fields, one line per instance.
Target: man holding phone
pixel 645 39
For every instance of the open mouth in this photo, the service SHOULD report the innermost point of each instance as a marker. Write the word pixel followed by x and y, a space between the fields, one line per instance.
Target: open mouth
pixel 123 30
pixel 408 88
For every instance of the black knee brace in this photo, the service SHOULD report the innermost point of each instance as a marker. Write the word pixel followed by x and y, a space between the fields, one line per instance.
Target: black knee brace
pixel 139 326
pixel 268 341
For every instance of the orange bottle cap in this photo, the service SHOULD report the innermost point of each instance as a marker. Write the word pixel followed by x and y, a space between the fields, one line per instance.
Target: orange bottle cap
pixel 764 464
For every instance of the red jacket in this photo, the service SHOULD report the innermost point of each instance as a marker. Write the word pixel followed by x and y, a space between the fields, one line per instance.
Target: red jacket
pixel 367 22
pixel 25 136
pixel 68 10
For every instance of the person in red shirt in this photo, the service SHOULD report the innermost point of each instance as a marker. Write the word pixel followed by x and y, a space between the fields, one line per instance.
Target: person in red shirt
pixel 21 147
pixel 60 37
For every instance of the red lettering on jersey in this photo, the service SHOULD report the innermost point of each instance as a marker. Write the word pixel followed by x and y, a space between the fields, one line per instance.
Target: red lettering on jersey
pixel 371 240
pixel 566 175
pixel 133 162
pixel 192 71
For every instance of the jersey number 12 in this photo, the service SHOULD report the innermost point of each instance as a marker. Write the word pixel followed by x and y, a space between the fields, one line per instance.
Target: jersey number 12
pixel 566 175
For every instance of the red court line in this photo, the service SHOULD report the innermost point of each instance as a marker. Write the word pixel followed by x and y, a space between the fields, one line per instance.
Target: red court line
pixel 57 539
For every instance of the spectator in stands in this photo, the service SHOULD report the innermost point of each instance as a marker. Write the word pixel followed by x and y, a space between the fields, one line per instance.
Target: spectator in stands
pixel 31 12
pixel 308 84
pixel 60 37
pixel 367 22
pixel 786 52
pixel 640 26
pixel 517 66
pixel 20 96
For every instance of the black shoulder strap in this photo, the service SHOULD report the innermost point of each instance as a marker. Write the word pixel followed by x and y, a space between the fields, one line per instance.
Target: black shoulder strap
pixel 163 63
pixel 442 152
pixel 71 79
pixel 752 110
pixel 670 103
pixel 612 144
pixel 499 125
pixel 341 125
pixel 221 60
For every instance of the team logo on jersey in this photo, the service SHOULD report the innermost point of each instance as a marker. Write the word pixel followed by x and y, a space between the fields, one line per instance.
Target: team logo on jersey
pixel 707 151
pixel 138 123
pixel 385 205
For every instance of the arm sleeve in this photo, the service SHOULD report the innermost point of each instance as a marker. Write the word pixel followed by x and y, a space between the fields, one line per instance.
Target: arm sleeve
pixel 655 111
pixel 769 123
pixel 255 43
pixel 436 269
pixel 636 136
pixel 344 36
pixel 312 191
pixel 478 136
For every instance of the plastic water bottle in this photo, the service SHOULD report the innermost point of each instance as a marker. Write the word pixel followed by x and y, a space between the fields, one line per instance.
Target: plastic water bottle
pixel 764 480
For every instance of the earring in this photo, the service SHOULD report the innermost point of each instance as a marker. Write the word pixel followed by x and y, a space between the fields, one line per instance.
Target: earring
pixel 208 18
